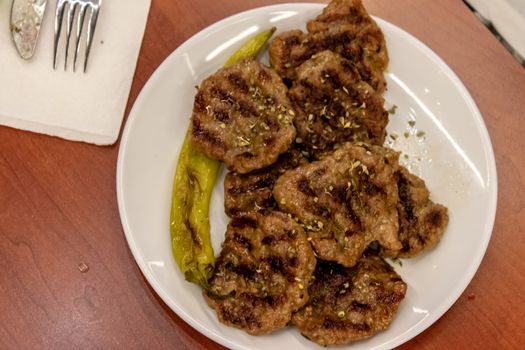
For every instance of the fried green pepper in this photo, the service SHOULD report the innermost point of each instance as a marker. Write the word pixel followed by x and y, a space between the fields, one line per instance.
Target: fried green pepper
pixel 193 184
pixel 251 48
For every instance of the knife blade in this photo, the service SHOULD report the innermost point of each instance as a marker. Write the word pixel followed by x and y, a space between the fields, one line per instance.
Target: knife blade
pixel 26 20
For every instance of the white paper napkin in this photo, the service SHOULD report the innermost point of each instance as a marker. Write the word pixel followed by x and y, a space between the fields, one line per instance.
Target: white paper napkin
pixel 77 106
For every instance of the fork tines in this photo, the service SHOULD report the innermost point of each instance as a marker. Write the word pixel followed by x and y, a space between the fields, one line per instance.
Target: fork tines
pixel 78 8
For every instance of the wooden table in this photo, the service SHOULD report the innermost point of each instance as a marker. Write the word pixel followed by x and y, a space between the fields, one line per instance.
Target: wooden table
pixel 67 277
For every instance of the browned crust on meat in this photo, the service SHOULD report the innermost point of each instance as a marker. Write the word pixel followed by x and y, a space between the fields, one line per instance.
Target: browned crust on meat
pixel 262 273
pixel 244 193
pixel 350 304
pixel 242 116
pixel 340 12
pixel 344 27
pixel 345 201
pixel 334 105
pixel 421 221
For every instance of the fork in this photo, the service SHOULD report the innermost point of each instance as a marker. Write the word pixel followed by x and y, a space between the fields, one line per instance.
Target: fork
pixel 78 8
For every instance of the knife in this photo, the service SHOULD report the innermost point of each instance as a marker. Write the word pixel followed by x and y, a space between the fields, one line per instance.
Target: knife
pixel 26 19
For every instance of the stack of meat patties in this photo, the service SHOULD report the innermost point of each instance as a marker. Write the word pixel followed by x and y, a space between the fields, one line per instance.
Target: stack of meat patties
pixel 316 202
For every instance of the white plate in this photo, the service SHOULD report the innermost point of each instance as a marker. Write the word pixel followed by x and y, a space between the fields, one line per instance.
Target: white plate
pixel 455 158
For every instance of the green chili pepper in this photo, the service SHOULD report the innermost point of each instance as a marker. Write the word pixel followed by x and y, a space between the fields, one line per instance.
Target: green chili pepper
pixel 193 184
pixel 251 48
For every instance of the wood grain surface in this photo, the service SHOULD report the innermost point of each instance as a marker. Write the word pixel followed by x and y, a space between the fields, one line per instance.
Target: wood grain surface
pixel 67 277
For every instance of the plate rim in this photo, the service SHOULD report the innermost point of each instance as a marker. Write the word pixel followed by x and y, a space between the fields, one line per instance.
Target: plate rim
pixel 488 150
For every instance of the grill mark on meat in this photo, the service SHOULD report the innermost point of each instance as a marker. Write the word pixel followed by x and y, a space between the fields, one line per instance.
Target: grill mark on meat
pixel 348 68
pixel 365 73
pixel 238 82
pixel 220 94
pixel 253 192
pixel 388 298
pixel 223 116
pixel 372 190
pixel 356 216
pixel 291 234
pixel 263 76
pixel 247 109
pixel 206 136
pixel 247 155
pixel 353 92
pixel 256 289
pixel 242 241
pixel 305 188
pixel 347 30
pixel 231 315
pixel 242 316
pixel 231 106
pixel 349 304
pixel 200 103
pixel 421 221
pixel 315 94
pixel 232 212
pixel 280 265
pixel 327 269
pixel 339 193
pixel 405 199
pixel 334 40
pixel 291 41
pixel 273 239
pixel 335 106
pixel 435 218
pixel 334 324
pixel 333 77
pixel 269 300
pixel 265 182
pixel 319 172
pixel 293 262
pixel 241 222
pixel 251 320
pixel 349 233
pixel 246 271
pixel 350 213
pixel 269 141
pixel 320 210
pixel 406 246
pixel 360 306
pixel 277 264
pixel 272 123
pixel 268 203
pixel 342 325
pixel 268 240
pixel 362 327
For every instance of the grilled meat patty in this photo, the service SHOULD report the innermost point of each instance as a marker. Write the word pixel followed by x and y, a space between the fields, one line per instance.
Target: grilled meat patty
pixel 421 221
pixel 244 193
pixel 262 273
pixel 334 105
pixel 340 12
pixel 242 116
pixel 346 201
pixel 349 304
pixel 344 27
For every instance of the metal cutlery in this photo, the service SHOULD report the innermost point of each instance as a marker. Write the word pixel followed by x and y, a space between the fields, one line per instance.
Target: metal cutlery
pixel 79 9
pixel 26 20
